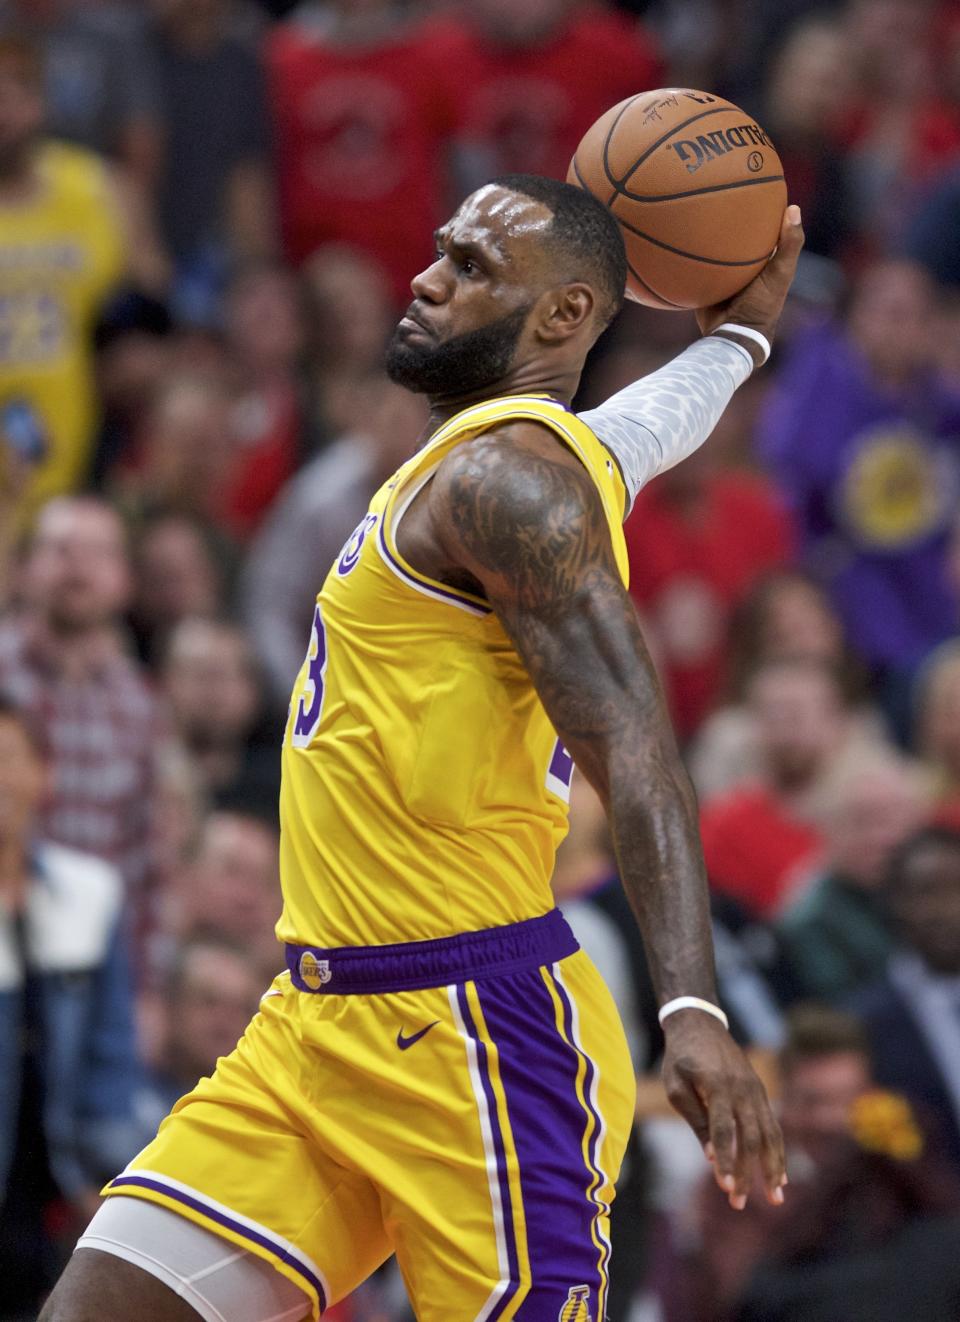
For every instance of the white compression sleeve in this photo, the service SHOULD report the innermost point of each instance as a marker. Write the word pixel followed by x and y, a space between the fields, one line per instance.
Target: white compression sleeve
pixel 652 424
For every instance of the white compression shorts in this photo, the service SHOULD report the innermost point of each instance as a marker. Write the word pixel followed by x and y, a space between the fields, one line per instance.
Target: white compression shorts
pixel 653 423
pixel 219 1280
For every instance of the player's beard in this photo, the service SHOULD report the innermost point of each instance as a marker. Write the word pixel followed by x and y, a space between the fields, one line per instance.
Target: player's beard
pixel 464 364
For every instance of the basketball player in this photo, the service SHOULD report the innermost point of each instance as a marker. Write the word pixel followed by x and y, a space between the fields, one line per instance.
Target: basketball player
pixel 441 1073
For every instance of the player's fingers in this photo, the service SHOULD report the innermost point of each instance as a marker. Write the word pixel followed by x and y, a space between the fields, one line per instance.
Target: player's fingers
pixel 749 1144
pixel 723 1137
pixel 783 263
pixel 791 227
pixel 772 1158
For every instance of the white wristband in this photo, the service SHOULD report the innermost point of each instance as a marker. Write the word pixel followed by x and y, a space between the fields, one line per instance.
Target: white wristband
pixel 749 333
pixel 692 1003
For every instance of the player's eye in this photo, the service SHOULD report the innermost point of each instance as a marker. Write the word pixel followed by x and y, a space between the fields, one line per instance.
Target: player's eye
pixel 469 267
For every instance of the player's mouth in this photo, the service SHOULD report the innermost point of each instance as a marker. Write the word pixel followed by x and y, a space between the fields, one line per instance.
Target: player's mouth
pixel 410 322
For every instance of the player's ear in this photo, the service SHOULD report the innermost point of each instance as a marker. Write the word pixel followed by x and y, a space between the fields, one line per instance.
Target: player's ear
pixel 565 311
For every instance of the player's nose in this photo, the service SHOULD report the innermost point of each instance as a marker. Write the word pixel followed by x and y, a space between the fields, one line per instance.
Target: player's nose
pixel 431 285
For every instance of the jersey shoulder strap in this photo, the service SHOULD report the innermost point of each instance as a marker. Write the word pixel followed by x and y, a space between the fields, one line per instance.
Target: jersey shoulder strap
pixel 568 428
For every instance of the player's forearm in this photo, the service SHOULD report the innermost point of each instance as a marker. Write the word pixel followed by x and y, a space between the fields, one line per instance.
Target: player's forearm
pixel 654 823
pixel 654 423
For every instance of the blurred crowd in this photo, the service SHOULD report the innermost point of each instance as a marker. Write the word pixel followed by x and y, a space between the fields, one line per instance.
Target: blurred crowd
pixel 210 211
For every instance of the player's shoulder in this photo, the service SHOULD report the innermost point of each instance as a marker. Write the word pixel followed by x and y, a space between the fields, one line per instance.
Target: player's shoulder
pixel 510 487
pixel 518 458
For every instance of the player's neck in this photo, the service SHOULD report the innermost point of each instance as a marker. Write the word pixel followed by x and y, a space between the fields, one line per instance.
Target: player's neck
pixel 531 379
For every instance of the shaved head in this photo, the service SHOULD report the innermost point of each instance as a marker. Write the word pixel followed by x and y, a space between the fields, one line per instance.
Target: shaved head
pixel 580 238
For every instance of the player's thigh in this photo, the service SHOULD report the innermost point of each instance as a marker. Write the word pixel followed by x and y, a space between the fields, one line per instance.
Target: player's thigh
pixel 131 1246
pixel 507 1208
pixel 240 1156
pixel 98 1285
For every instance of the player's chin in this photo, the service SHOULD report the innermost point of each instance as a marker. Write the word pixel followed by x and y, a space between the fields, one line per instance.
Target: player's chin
pixel 406 364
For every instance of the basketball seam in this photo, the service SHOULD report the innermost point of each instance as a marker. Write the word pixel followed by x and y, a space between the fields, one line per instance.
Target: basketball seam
pixel 650 289
pixel 698 192
pixel 606 142
pixel 587 189
pixel 633 271
pixel 692 256
pixel 618 183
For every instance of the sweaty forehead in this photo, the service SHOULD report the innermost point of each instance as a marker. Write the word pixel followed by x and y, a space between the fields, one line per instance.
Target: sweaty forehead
pixel 499 218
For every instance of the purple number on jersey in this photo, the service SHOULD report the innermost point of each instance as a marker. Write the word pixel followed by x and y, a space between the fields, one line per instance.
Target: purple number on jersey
pixel 350 555
pixel 310 706
pixel 560 772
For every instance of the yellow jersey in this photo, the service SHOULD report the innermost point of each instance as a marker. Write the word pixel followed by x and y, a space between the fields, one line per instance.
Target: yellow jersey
pixel 60 253
pixel 424 789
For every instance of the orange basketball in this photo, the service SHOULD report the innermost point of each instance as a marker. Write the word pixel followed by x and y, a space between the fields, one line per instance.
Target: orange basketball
pixel 697 187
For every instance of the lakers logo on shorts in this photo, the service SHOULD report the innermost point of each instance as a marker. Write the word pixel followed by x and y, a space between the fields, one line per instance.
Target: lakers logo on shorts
pixel 577 1307
pixel 314 972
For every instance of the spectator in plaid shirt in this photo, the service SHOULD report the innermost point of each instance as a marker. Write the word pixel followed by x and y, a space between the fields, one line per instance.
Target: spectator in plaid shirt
pixel 63 659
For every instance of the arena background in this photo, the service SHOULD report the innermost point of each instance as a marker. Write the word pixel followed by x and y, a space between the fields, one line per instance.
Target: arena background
pixel 210 211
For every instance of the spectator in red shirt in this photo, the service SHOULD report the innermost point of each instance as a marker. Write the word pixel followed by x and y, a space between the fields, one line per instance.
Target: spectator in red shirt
pixel 532 78
pixel 266 334
pixel 762 838
pixel 904 128
pixel 361 108
pixel 699 537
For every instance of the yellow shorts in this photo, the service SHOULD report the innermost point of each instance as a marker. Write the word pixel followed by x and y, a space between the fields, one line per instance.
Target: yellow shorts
pixel 474 1128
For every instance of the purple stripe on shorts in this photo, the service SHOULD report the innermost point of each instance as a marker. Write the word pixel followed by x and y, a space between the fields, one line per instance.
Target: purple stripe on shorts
pixel 228 1222
pixel 594 1148
pixel 538 1070
pixel 503 1178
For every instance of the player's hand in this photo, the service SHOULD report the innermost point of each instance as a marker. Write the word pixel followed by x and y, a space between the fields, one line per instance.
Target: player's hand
pixel 760 304
pixel 712 1084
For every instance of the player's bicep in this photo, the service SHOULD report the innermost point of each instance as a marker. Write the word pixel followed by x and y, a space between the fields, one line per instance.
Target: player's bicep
pixel 520 516
pixel 532 530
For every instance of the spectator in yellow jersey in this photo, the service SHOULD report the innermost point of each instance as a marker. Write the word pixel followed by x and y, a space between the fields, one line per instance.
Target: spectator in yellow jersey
pixel 61 253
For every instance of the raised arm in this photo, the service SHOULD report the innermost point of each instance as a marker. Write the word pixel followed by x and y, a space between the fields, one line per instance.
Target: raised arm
pixel 658 420
pixel 521 515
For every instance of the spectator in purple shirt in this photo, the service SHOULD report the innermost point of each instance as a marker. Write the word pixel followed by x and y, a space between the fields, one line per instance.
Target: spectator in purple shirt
pixel 863 436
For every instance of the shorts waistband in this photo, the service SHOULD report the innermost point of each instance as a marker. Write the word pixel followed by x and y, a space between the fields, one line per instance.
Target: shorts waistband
pixel 414 965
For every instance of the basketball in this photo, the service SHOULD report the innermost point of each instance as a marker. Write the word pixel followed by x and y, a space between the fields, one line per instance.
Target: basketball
pixel 697 187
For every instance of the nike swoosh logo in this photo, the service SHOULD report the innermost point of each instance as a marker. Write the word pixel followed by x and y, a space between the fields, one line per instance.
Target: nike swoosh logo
pixel 404 1043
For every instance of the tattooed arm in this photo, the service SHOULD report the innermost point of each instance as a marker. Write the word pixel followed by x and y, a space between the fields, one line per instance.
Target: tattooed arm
pixel 520 516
